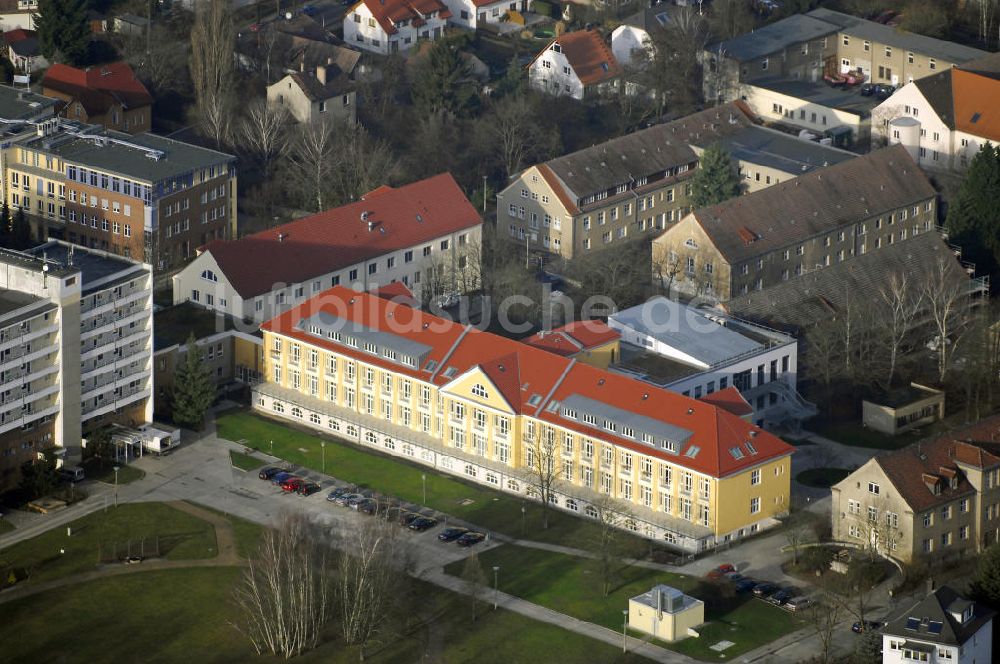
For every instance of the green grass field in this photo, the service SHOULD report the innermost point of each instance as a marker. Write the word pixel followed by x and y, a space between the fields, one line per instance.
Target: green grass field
pixel 572 586
pixel 852 433
pixel 821 478
pixel 488 509
pixel 182 537
pixel 181 615
pixel 244 461
pixel 106 473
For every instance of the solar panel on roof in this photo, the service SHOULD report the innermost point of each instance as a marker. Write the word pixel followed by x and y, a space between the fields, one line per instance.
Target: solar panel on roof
pixel 975 117
pixel 934 627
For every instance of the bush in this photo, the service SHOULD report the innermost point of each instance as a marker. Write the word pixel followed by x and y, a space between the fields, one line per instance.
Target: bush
pixel 815 559
pixel 544 9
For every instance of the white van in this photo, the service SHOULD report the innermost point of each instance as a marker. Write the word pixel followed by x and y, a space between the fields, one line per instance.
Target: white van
pixel 71 473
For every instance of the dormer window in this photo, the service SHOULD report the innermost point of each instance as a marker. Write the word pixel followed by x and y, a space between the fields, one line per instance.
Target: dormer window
pixel 556 47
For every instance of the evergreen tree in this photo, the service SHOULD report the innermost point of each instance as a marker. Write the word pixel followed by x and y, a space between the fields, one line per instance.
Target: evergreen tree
pixel 20 232
pixel 63 31
pixel 194 389
pixel 5 232
pixel 715 180
pixel 972 222
pixel 868 649
pixel 442 81
pixel 512 81
pixel 985 586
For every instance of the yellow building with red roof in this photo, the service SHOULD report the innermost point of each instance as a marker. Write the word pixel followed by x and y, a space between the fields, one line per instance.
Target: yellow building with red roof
pixel 485 408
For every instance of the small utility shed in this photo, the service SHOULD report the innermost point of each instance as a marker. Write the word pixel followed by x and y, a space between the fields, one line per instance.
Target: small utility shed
pixel 903 409
pixel 666 613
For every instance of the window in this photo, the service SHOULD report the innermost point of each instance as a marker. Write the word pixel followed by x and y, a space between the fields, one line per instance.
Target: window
pixel 754 505
pixel 755 476
pixel 873 488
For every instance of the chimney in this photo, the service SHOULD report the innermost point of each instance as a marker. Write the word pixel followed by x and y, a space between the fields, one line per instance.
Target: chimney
pixel 659 602
pixel 321 74
pixel 302 64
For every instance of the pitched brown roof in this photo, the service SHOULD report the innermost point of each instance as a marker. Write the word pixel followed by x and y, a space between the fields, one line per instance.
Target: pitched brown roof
pixel 795 210
pixel 915 469
pixel 588 55
pixel 314 90
pixel 98 88
pixel 390 12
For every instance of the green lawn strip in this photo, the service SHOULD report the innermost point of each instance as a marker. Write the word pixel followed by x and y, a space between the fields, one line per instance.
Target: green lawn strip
pixel 572 586
pixel 106 473
pixel 244 461
pixel 5 526
pixel 852 433
pixel 181 536
pixel 183 615
pixel 822 478
pixel 488 509
pixel 247 533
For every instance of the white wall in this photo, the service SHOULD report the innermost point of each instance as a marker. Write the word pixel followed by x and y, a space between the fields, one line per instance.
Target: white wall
pixel 367 34
pixel 556 78
pixel 933 135
pixel 628 42
pixel 779 107
pixel 976 650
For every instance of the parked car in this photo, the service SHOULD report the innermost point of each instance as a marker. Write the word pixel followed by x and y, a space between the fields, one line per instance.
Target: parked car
pixel 764 590
pixel 867 90
pixel 451 534
pixel 422 523
pixel 309 10
pixel 734 577
pixel 269 472
pixel 337 493
pixel 797 603
pixel 365 502
pixel 406 518
pixel 721 571
pixel 780 597
pixel 356 500
pixel 308 488
pixel 292 484
pixel 745 585
pixel 470 539
pixel 868 626
pixel 278 478
pixel 368 506
pixel 345 498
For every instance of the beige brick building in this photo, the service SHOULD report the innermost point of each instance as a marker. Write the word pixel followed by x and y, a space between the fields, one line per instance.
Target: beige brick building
pixel 935 500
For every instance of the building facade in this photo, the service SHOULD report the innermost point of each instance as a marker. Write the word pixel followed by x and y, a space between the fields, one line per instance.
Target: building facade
pixel 76 349
pixel 312 97
pixel 110 95
pixel 394 26
pixel 575 64
pixel 830 216
pixel 487 409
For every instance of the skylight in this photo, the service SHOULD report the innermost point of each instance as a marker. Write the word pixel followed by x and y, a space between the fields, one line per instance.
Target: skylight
pixel 553 406
pixel 692 451
pixel 431 365
pixel 975 117
pixel 913 623
pixel 935 627
pixel 750 448
pixel 450 372
pixel 736 452
pixel 535 400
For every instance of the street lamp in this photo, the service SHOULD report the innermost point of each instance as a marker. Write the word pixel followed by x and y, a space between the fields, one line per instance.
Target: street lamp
pixel 496 585
pixel 116 485
pixel 624 633
pixel 423 481
pixel 484 193
pixel 272 448
pixel 524 512
pixel 322 445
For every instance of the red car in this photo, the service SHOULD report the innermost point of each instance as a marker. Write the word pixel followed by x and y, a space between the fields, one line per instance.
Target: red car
pixel 721 571
pixel 292 484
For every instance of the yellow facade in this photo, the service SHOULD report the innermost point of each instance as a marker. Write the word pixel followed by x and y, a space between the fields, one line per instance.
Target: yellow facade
pixel 469 414
pixel 601 356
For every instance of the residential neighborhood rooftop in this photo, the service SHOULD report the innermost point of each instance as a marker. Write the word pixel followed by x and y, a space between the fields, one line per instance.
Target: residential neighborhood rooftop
pixel 848 99
pixel 574 337
pixel 589 56
pixel 100 87
pixel 781 151
pixel 773 38
pixel 938 619
pixel 23 104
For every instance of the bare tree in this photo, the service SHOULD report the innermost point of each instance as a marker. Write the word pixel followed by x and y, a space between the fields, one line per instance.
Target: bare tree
pixel 899 301
pixel 881 117
pixel 475 582
pixel 372 571
pixel 542 468
pixel 363 163
pixel 286 591
pixel 796 531
pixel 611 517
pixel 263 129
pixel 213 41
pixel 671 69
pixel 947 302
pixel 311 160
pixel 823 619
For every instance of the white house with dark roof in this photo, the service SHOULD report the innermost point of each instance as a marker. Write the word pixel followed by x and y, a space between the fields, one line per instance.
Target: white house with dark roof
pixel 632 42
pixel 324 93
pixel 943 627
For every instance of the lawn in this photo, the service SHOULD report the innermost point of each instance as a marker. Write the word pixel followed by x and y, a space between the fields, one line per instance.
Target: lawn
pixel 106 473
pixel 852 433
pixel 181 535
pixel 821 478
pixel 5 526
pixel 247 533
pixel 244 461
pixel 572 586
pixel 488 509
pixel 114 620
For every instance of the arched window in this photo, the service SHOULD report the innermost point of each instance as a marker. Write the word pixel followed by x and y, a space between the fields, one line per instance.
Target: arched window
pixel 590 511
pixel 389 443
pixel 512 485
pixel 296 411
pixel 480 391
pixel 208 275
pixel 314 418
pixel 352 430
pixel 371 438
pixel 470 470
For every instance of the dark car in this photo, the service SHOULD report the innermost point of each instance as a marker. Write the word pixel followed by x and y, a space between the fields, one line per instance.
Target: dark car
pixel 764 589
pixel 292 484
pixel 451 534
pixel 278 478
pixel 734 577
pixel 356 500
pixel 422 523
pixel 797 603
pixel 368 506
pixel 406 518
pixel 745 585
pixel 470 539
pixel 337 493
pixel 308 488
pixel 309 10
pixel 867 90
pixel 780 597
pixel 268 472
pixel 345 499
pixel 868 626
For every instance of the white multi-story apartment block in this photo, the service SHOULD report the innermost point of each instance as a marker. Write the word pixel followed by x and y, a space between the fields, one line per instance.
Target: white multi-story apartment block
pixel 76 349
pixel 394 26
pixel 942 628
pixel 425 235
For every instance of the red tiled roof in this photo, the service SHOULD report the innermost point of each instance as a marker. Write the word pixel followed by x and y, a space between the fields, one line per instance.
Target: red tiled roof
pixel 729 399
pixel 18 34
pixel 397 290
pixel 98 88
pixel 588 55
pixel 336 238
pixel 977 104
pixel 390 12
pixel 560 190
pixel 574 337
pixel 531 378
pixel 914 469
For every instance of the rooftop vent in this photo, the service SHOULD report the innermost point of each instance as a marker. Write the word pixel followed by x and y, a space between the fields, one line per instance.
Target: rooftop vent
pixel 600 382
pixel 420 218
pixel 282 236
pixel 690 411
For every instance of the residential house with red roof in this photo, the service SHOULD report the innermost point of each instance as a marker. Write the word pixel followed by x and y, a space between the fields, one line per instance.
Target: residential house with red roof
pixel 943 120
pixel 394 26
pixel 110 95
pixel 473 14
pixel 575 64
pixel 487 408
pixel 24 51
pixel 935 500
pixel 424 234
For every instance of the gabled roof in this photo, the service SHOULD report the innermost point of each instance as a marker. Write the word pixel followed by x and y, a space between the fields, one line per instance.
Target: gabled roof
pixel 729 399
pixel 390 12
pixel 315 90
pixel 646 153
pixel 792 211
pixel 574 337
pixel 977 104
pixel 98 88
pixel 336 238
pixel 396 291
pixel 23 42
pixel 310 54
pixel 932 619
pixel 588 55
pixel 652 18
pixel 537 383
pixel 936 90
